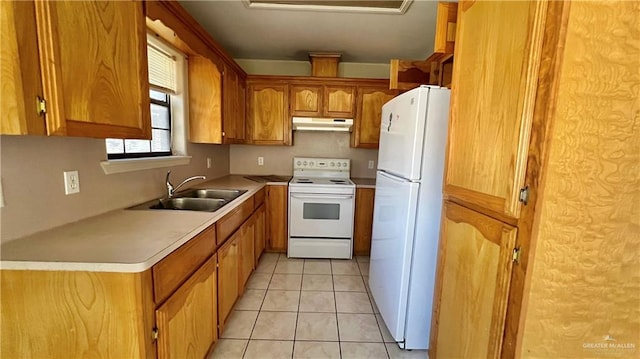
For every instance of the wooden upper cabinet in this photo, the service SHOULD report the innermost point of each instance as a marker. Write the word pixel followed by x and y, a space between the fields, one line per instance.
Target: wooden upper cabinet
pixel 306 100
pixel 472 284
pixel 366 127
pixel 446 19
pixel 205 101
pixel 21 83
pixel 338 101
pixel 233 121
pixel 94 68
pixel 268 121
pixel 492 99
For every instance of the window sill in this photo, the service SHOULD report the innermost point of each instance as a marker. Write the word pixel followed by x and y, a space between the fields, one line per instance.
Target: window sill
pixel 139 164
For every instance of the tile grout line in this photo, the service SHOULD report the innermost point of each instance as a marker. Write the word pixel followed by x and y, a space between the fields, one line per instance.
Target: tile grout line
pixel 253 327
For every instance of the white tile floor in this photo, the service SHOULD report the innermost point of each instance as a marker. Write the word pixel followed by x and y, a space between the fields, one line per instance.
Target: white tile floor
pixel 307 308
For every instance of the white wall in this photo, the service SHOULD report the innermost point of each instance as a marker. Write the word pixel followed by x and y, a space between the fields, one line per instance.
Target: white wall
pixel 33 185
pixel 303 68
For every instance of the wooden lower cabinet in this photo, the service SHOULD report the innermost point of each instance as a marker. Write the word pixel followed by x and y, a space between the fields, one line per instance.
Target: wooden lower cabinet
pixel 277 221
pixel 260 234
pixel 187 321
pixel 469 312
pixel 363 222
pixel 245 251
pixel 227 279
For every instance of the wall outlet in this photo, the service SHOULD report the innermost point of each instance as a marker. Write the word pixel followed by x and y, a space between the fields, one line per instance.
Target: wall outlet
pixel 260 161
pixel 371 164
pixel 71 182
pixel 209 162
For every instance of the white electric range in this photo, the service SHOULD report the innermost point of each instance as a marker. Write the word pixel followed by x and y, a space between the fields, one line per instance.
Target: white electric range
pixel 321 208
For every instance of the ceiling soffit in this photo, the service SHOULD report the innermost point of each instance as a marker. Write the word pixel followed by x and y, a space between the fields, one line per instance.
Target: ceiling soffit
pixel 357 6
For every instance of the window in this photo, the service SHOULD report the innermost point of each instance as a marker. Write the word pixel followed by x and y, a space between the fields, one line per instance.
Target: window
pixel 163 83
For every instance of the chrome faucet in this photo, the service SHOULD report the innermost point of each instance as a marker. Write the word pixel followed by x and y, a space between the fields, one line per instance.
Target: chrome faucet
pixel 171 190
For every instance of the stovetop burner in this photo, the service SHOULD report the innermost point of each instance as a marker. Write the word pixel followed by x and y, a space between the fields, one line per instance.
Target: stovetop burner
pixel 338 181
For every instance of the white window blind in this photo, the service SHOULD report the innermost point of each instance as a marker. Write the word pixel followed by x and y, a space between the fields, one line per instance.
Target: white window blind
pixel 162 69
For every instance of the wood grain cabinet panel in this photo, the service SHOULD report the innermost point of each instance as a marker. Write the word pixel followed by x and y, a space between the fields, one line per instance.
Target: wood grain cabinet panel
pixel 232 220
pixel 103 90
pixel 277 221
pixel 489 131
pixel 339 101
pixel 246 252
pixel 205 101
pixel 306 100
pixel 366 127
pixel 260 234
pixel 474 273
pixel 21 83
pixel 233 106
pixel 363 222
pixel 187 321
pixel 268 121
pixel 228 261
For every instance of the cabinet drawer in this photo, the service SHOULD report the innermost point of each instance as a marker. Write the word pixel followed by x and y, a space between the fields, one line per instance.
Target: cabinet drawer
pixel 174 269
pixel 232 220
pixel 258 198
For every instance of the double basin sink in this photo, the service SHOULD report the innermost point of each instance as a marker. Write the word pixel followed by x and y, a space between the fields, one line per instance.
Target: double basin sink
pixel 204 200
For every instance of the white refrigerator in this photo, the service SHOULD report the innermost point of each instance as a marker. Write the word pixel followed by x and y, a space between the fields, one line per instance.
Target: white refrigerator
pixel 406 216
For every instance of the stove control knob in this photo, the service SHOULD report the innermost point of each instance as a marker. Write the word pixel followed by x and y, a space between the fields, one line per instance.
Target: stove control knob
pixel 339 164
pixel 333 164
pixel 344 164
pixel 298 163
pixel 305 163
pixel 311 164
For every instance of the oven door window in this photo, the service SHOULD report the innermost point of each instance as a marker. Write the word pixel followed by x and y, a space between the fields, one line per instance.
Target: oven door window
pixel 321 211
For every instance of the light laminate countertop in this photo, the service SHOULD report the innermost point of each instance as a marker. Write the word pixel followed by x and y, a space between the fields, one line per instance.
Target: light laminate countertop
pixel 118 241
pixel 364 182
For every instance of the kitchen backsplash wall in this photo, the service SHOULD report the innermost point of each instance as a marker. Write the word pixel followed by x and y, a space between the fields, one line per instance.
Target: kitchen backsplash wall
pixel 33 185
pixel 278 160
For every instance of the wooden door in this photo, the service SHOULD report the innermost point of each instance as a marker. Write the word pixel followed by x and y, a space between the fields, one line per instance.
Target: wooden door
pixel 187 320
pixel 366 131
pixel 497 55
pixel 277 221
pixel 260 234
pixel 363 222
pixel 339 101
pixel 205 101
pixel 269 122
pixel 241 108
pixel 94 68
pixel 21 83
pixel 472 284
pixel 227 279
pixel 306 100
pixel 245 248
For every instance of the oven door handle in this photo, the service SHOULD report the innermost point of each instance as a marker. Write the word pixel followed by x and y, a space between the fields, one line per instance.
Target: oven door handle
pixel 322 196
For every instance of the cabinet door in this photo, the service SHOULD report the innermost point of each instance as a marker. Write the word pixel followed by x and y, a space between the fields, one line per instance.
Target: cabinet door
pixel 227 279
pixel 339 101
pixel 472 284
pixel 363 221
pixel 306 100
pixel 94 68
pixel 245 248
pixel 230 107
pixel 205 101
pixel 241 109
pixel 492 99
pixel 20 70
pixel 366 132
pixel 269 122
pixel 187 320
pixel 277 198
pixel 260 235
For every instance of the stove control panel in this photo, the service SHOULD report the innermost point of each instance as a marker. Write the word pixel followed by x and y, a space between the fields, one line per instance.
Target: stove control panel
pixel 326 164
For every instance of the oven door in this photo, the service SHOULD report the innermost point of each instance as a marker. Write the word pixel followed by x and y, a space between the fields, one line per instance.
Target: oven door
pixel 321 215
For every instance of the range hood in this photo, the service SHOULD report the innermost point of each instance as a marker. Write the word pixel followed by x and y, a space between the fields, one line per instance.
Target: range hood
pixel 322 124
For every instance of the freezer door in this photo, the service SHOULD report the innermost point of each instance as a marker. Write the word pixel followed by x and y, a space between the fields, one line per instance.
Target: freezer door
pixel 402 133
pixel 391 248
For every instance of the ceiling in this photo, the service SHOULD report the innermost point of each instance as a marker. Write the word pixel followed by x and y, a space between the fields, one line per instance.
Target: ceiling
pixel 276 34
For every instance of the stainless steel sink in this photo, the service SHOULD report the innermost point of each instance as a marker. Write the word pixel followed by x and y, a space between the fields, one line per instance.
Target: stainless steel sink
pixel 204 200
pixel 190 204
pixel 225 194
